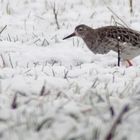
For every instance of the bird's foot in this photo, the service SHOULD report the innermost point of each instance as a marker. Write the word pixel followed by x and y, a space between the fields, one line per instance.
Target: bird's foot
pixel 128 63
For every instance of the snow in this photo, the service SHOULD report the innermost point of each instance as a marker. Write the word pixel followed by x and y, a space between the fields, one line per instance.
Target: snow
pixel 63 91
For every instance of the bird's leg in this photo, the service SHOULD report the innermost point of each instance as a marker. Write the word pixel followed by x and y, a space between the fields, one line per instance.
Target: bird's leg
pixel 129 63
pixel 119 56
pixel 119 50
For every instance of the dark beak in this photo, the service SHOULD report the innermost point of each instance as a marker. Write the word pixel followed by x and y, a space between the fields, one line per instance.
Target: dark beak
pixel 71 35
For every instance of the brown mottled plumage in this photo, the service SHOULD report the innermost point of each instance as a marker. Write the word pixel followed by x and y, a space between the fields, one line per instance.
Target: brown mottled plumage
pixel 104 39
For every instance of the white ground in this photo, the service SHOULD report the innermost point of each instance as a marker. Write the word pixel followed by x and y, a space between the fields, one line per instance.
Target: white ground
pixel 79 86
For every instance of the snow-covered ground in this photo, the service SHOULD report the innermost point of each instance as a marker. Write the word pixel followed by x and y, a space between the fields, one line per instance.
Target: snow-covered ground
pixel 51 89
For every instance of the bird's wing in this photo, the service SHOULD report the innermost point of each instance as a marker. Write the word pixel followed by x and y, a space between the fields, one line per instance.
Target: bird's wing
pixel 125 34
pixel 106 44
pixel 127 50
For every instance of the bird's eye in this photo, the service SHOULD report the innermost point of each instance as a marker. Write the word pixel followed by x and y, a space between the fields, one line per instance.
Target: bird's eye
pixel 80 29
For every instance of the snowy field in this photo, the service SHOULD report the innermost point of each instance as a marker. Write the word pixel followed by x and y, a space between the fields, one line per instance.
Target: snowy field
pixel 54 89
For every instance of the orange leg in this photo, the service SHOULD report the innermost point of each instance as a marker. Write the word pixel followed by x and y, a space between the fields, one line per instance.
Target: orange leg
pixel 129 63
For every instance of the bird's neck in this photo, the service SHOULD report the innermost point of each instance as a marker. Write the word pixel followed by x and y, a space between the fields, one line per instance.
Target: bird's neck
pixel 91 39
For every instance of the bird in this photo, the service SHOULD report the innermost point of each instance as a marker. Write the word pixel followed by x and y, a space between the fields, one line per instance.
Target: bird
pixel 103 39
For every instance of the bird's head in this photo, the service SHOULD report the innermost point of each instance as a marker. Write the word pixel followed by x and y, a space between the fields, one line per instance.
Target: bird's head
pixel 80 30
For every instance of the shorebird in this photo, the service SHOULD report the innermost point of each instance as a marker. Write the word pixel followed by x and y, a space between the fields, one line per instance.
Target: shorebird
pixel 104 39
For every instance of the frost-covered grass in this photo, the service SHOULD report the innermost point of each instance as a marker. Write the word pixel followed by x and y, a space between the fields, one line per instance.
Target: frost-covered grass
pixel 52 89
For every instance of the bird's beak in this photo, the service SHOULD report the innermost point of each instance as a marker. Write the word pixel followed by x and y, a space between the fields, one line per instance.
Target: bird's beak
pixel 71 35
